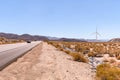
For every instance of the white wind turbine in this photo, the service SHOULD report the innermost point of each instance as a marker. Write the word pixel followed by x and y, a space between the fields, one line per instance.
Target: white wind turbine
pixel 97 34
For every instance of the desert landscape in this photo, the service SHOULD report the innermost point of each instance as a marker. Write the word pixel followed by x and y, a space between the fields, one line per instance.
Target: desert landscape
pixel 4 40
pixel 45 62
pixel 59 60
pixel 102 57
pixel 59 39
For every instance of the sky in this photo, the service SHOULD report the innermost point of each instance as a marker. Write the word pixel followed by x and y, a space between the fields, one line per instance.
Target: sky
pixel 61 18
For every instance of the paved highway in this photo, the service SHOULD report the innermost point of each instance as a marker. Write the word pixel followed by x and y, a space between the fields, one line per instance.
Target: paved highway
pixel 10 52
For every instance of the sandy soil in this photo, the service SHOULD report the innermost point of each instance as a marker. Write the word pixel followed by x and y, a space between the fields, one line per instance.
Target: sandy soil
pixel 46 63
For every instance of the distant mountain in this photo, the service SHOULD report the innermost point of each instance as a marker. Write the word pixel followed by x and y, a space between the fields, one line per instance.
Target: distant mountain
pixel 32 37
pixel 72 40
pixel 37 37
pixel 53 38
pixel 114 40
pixel 23 37
pixel 9 35
pixel 94 40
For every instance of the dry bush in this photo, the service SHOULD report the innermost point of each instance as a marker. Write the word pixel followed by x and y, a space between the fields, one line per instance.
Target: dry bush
pixel 105 60
pixel 78 57
pixel 118 57
pixel 91 54
pixel 112 61
pixel 9 41
pixel 49 42
pixel 61 49
pixel 94 49
pixel 107 72
pixel 66 51
pixel 111 54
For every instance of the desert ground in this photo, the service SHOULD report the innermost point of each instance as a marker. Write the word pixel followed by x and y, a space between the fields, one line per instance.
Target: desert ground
pixel 45 62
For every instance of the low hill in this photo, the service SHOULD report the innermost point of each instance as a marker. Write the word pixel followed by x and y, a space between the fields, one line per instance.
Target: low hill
pixel 115 40
pixel 72 40
pixel 8 41
pixel 23 36
pixel 37 37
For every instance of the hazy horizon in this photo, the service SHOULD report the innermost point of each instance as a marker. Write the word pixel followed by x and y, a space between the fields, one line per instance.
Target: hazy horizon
pixel 55 36
pixel 61 18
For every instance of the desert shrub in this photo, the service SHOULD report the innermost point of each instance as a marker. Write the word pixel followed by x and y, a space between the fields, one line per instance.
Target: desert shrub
pixel 46 41
pixel 92 49
pixel 49 42
pixel 61 49
pixel 111 54
pixel 78 57
pixel 91 54
pixel 112 61
pixel 105 60
pixel 117 53
pixel 56 45
pixel 66 51
pixel 118 57
pixel 107 72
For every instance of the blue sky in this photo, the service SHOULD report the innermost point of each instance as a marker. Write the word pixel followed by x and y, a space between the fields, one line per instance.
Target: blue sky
pixel 61 18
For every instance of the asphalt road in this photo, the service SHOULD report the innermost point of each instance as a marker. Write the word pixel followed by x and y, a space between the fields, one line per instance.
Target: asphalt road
pixel 10 52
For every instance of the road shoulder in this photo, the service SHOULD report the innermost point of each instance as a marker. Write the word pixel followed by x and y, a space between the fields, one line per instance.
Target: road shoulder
pixel 45 62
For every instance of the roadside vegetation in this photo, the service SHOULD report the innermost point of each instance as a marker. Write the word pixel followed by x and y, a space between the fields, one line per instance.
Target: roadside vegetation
pixel 77 56
pixel 89 49
pixel 9 41
pixel 108 69
pixel 107 72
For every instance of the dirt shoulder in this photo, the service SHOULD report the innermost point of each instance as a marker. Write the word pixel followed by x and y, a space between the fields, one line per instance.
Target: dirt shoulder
pixel 45 62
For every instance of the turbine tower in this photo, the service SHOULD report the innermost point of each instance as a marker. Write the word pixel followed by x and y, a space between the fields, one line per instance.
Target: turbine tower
pixel 97 34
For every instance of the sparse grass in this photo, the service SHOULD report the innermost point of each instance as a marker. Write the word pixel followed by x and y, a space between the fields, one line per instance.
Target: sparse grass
pixel 61 49
pixel 66 51
pixel 91 54
pixel 112 61
pixel 94 49
pixel 78 57
pixel 107 72
pixel 118 57
pixel 105 60
pixel 111 54
pixel 9 41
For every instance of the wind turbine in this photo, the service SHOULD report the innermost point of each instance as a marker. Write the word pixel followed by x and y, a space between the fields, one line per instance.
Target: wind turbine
pixel 97 34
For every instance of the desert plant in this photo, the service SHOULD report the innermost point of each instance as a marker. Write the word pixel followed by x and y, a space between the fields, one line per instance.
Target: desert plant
pixel 105 60
pixel 66 51
pixel 107 72
pixel 92 49
pixel 112 61
pixel 111 54
pixel 118 57
pixel 91 54
pixel 78 57
pixel 61 49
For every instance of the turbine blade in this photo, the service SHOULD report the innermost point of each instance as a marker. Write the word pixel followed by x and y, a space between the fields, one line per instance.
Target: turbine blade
pixel 98 34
